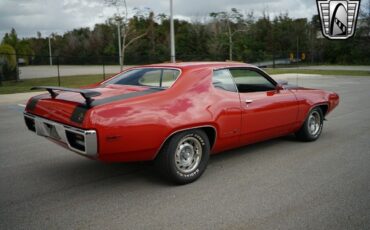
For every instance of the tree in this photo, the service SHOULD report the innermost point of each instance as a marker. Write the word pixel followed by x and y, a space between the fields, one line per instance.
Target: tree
pixel 22 47
pixel 228 35
pixel 261 45
pixel 233 21
pixel 11 38
pixel 129 33
pixel 7 61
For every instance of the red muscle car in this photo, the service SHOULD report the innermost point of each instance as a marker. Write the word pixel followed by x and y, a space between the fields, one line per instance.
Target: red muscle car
pixel 177 114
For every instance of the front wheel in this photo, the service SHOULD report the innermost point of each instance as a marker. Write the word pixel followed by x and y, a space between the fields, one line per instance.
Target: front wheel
pixel 312 127
pixel 184 157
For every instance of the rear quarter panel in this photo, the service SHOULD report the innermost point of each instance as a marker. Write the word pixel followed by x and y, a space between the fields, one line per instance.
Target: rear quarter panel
pixel 135 129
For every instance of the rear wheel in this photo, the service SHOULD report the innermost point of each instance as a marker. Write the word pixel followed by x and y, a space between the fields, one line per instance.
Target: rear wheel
pixel 184 157
pixel 312 127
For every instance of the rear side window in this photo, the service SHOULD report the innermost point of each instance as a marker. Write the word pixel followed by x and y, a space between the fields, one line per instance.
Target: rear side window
pixel 152 77
pixel 223 80
pixel 169 77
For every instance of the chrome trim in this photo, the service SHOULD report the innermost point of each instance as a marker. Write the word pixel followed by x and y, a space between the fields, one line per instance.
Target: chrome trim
pixel 188 154
pixel 59 134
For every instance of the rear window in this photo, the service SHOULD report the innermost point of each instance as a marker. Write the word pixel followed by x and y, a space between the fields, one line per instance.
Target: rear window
pixel 152 77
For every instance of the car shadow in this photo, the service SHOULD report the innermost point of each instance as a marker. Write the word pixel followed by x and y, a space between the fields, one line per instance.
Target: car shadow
pixel 251 148
pixel 76 172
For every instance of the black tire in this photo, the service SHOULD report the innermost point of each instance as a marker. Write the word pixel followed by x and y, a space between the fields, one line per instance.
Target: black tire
pixel 312 127
pixel 179 151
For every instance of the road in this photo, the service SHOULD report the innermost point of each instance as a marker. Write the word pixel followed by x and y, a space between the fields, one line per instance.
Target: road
pixel 278 184
pixel 334 67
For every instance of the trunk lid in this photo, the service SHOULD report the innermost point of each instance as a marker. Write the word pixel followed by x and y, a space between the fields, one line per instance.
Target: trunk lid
pixel 71 107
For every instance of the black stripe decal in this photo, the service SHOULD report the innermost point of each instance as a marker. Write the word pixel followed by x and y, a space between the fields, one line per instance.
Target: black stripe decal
pixel 79 113
pixel 31 105
pixel 123 96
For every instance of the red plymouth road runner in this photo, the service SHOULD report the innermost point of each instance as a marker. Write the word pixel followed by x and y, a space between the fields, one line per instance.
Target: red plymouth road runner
pixel 177 114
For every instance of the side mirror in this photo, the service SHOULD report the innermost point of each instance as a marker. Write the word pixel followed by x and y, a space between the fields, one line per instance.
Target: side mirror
pixel 279 87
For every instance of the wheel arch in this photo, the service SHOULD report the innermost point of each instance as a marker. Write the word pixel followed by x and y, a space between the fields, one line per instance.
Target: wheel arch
pixel 324 108
pixel 209 130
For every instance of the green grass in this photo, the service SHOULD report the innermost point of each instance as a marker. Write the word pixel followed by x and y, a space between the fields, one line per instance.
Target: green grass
pixel 320 72
pixel 22 86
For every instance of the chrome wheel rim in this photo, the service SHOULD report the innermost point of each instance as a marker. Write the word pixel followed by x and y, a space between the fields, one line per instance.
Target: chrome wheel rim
pixel 188 154
pixel 314 123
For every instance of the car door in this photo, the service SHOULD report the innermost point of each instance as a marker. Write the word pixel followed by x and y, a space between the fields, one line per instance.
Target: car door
pixel 267 111
pixel 227 109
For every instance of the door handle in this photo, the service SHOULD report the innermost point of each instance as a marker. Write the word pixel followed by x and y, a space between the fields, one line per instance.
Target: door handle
pixel 248 101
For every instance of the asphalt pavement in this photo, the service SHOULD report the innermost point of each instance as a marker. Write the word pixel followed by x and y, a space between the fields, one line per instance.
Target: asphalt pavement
pixel 277 184
pixel 334 67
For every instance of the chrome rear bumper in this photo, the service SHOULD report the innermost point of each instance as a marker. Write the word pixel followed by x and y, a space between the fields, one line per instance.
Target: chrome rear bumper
pixel 78 140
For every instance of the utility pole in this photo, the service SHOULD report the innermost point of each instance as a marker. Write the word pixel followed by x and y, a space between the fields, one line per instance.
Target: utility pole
pixel 1 69
pixel 50 57
pixel 230 41
pixel 297 49
pixel 172 33
pixel 118 19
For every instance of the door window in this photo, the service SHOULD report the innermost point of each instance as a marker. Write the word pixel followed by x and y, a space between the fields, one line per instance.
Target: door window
pixel 250 81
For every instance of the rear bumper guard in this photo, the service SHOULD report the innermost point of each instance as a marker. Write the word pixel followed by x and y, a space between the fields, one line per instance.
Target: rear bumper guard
pixel 78 140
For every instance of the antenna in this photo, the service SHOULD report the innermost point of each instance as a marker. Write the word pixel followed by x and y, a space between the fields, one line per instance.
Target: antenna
pixel 296 80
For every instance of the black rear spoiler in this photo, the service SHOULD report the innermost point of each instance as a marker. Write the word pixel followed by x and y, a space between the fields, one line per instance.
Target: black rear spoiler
pixel 85 93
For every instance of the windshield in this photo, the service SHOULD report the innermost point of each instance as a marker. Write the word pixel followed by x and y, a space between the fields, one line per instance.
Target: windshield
pixel 152 77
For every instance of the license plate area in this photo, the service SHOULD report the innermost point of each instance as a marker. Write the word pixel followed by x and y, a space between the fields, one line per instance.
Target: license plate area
pixel 52 131
pixel 78 140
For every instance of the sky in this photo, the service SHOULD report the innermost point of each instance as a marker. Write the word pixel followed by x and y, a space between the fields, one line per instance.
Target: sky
pixel 59 16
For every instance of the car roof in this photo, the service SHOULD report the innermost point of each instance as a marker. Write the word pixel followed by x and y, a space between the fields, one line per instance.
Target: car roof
pixel 196 65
